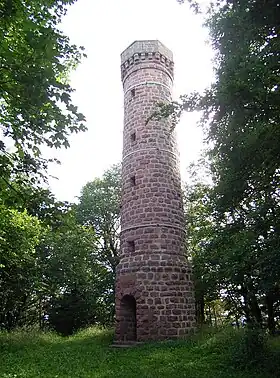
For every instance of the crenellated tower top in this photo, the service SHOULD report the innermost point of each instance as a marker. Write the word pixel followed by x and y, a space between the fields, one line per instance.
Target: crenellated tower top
pixel 143 52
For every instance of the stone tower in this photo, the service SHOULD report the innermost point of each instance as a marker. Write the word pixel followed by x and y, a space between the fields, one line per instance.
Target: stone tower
pixel 154 292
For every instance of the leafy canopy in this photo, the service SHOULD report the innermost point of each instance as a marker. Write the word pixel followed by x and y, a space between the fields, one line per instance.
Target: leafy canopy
pixel 35 97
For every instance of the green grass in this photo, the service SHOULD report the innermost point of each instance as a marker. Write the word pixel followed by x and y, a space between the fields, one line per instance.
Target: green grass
pixel 88 354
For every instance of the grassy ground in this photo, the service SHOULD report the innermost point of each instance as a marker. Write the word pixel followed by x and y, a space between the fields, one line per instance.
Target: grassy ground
pixel 88 355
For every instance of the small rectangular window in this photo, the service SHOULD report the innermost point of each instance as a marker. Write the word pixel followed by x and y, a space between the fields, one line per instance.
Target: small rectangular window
pixel 133 180
pixel 131 246
pixel 133 92
pixel 133 137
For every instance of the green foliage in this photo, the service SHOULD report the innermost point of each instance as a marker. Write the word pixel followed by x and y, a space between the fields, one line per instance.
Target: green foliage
pixel 200 231
pixel 72 311
pixel 19 235
pixel 74 285
pixel 64 275
pixel 99 207
pixel 48 262
pixel 248 348
pixel 87 354
pixel 27 213
pixel 38 202
pixel 35 98
pixel 240 114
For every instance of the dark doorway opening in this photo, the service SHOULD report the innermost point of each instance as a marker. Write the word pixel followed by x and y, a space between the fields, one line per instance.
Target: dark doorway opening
pixel 128 318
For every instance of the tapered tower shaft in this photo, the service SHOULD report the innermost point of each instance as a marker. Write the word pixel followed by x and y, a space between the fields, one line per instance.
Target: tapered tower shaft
pixel 154 292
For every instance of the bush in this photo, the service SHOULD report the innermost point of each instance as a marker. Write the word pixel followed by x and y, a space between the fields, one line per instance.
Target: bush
pixel 248 348
pixel 71 312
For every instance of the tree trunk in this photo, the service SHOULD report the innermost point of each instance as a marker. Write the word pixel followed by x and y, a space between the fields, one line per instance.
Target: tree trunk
pixel 255 308
pixel 200 310
pixel 244 293
pixel 270 313
pixel 210 315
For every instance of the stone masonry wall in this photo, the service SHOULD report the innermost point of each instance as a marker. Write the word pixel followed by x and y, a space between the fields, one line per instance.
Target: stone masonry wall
pixel 152 269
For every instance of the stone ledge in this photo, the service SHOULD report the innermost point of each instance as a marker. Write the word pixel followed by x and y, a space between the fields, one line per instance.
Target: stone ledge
pixel 126 344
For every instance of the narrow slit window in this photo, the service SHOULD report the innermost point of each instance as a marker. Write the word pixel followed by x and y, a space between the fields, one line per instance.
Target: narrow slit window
pixel 132 92
pixel 133 180
pixel 133 137
pixel 131 246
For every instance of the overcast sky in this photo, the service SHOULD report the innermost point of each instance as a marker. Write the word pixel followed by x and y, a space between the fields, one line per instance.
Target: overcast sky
pixel 105 28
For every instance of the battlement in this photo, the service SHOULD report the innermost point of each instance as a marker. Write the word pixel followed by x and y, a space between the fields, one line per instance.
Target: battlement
pixel 151 51
pixel 145 47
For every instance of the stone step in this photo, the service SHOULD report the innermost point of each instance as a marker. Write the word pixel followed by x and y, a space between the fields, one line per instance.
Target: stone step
pixel 126 344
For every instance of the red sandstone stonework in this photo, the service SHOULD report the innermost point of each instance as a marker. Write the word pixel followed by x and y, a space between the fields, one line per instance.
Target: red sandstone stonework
pixel 154 290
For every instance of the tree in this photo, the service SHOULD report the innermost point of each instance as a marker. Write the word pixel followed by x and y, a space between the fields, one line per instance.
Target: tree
pixel 19 235
pixel 35 110
pixel 75 287
pixel 225 259
pixel 246 137
pixel 200 229
pixel 38 202
pixel 58 273
pixel 241 117
pixel 35 97
pixel 99 207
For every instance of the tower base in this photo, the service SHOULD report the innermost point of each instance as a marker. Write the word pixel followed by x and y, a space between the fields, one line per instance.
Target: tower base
pixel 155 301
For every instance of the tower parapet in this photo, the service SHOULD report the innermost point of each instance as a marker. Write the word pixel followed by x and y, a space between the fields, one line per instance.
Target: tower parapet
pixel 154 291
pixel 140 52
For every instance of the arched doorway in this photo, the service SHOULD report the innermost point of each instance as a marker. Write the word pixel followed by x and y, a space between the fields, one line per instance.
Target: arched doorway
pixel 128 318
